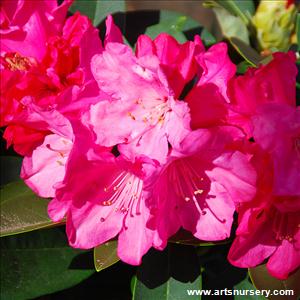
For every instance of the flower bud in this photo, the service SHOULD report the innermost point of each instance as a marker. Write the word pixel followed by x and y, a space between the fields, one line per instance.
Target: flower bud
pixel 275 24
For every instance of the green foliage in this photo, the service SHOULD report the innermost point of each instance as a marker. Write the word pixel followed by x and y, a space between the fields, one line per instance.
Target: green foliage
pixel 169 274
pixel 241 9
pixel 246 6
pixel 248 53
pixel 186 238
pixel 98 10
pixel 21 209
pixel 105 255
pixel 38 263
pixel 243 67
pixel 174 24
pixel 10 168
pixel 263 280
pixel 207 38
pixel 231 25
pixel 246 285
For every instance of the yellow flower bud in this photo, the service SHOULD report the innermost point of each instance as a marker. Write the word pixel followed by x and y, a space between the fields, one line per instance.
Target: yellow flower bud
pixel 275 24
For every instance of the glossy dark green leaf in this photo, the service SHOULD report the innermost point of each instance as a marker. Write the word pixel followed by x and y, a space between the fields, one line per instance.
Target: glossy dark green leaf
pixel 105 255
pixel 38 263
pixel 10 169
pixel 263 280
pixel 174 24
pixel 233 7
pixel 168 275
pixel 186 238
pixel 222 278
pixel 97 10
pixel 243 67
pixel 231 25
pixel 246 6
pixel 247 290
pixel 248 53
pixel 207 38
pixel 21 210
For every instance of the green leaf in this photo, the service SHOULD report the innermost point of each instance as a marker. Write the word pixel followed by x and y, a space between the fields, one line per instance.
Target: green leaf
pixel 168 275
pixel 243 67
pixel 186 238
pixel 219 275
pixel 98 10
pixel 38 263
pixel 105 255
pixel 231 26
pixel 248 53
pixel 174 24
pixel 298 30
pixel 207 38
pixel 263 280
pixel 246 285
pixel 246 6
pixel 10 169
pixel 22 210
pixel 233 8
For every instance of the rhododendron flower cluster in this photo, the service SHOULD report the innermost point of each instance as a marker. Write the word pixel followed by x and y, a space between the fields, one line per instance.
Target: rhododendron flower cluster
pixel 123 150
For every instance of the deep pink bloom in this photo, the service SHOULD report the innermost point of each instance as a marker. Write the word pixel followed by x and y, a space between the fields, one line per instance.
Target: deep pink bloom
pixel 25 26
pixel 208 98
pixel 178 61
pixel 57 79
pixel 211 70
pixel 269 227
pixel 271 234
pixel 198 187
pixel 141 113
pixel 276 128
pixel 274 82
pixel 45 167
pixel 109 200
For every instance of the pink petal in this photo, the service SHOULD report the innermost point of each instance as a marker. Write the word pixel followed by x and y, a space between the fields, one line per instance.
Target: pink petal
pixel 135 239
pixel 234 172
pixel 113 33
pixel 208 106
pixel 217 67
pixel 58 209
pixel 144 46
pixel 45 167
pixel 285 259
pixel 251 250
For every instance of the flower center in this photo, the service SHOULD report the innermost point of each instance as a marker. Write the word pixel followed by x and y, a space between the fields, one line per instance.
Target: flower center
pixel 285 225
pixel 124 194
pixel 192 185
pixel 14 62
pixel 150 112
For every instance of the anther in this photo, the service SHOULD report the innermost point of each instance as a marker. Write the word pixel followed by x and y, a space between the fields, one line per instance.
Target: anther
pixel 198 192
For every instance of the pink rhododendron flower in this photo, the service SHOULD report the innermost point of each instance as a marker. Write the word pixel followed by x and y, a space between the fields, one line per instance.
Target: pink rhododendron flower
pixel 41 91
pixel 109 200
pixel 268 228
pixel 56 79
pixel 274 82
pixel 25 26
pixel 45 167
pixel 141 113
pixel 276 128
pixel 181 63
pixel 199 185
pixel 208 99
pixel 178 61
